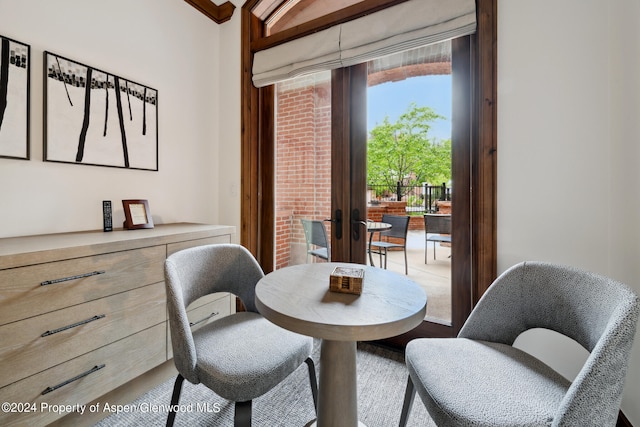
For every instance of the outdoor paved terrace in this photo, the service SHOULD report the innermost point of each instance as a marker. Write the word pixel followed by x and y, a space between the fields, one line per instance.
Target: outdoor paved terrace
pixel 434 277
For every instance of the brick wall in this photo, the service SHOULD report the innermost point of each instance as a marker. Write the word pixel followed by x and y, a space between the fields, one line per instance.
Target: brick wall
pixel 413 70
pixel 303 162
pixel 375 212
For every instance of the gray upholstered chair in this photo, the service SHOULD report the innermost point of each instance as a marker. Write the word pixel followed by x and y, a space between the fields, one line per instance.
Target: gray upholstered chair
pixel 241 356
pixel 316 237
pixel 399 229
pixel 480 379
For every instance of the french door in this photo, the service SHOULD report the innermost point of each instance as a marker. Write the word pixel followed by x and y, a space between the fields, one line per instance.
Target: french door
pixel 349 163
pixel 473 167
pixel 320 170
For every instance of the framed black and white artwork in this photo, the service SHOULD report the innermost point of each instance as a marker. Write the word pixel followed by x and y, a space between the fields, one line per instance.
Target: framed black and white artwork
pixel 93 117
pixel 14 98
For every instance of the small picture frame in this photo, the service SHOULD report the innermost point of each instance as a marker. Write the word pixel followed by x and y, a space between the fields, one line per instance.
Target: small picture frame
pixel 137 214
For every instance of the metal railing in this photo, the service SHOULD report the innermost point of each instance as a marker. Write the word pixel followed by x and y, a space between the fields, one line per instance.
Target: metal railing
pixel 419 198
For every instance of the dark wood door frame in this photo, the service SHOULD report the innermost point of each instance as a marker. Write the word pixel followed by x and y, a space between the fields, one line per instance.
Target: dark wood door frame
pixel 484 54
pixel 348 154
pixel 257 203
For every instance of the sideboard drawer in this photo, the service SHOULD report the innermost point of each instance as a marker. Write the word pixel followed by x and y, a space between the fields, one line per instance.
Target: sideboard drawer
pixel 203 311
pixel 84 378
pixel 32 290
pixel 175 247
pixel 35 344
pixel 209 312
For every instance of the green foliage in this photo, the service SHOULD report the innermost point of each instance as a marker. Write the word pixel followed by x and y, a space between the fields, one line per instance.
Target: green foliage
pixel 403 151
pixel 414 200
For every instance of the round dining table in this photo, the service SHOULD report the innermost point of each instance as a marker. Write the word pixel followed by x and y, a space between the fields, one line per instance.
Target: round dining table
pixel 298 298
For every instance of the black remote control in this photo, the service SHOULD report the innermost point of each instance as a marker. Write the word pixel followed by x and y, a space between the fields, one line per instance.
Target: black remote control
pixel 106 215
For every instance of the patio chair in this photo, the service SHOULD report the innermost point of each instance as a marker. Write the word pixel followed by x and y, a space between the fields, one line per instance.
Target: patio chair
pixel 241 356
pixel 399 229
pixel 316 237
pixel 437 229
pixel 480 379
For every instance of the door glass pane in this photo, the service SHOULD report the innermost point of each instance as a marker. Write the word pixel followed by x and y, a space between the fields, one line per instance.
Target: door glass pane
pixel 303 165
pixel 409 101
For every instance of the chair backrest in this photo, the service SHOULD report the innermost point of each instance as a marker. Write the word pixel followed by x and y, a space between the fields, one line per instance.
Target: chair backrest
pixel 598 312
pixel 399 225
pixel 195 272
pixel 437 223
pixel 315 233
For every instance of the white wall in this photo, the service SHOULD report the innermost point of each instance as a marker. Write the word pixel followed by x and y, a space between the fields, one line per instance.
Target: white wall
pixel 165 44
pixel 230 127
pixel 568 134
pixel 624 241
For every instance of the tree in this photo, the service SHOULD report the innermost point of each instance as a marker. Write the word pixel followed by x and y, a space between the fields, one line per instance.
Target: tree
pixel 403 151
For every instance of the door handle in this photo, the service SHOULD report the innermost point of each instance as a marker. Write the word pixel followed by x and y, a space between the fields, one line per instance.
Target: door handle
pixel 337 223
pixel 355 220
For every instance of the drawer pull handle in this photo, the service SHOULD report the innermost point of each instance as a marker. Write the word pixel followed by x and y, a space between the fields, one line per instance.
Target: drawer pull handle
pixel 73 325
pixel 65 279
pixel 70 380
pixel 215 313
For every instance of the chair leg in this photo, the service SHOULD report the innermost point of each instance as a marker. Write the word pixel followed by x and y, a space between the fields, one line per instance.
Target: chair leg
pixel 434 250
pixel 175 398
pixel 314 382
pixel 409 396
pixel 242 417
pixel 425 250
pixel 406 263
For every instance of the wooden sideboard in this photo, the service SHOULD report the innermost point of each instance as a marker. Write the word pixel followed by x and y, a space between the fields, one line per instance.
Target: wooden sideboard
pixel 83 313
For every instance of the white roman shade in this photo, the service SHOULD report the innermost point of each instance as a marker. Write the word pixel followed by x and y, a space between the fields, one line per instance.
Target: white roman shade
pixel 405 26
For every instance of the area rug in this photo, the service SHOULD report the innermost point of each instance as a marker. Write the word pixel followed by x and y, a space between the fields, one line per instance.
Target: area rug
pixel 382 378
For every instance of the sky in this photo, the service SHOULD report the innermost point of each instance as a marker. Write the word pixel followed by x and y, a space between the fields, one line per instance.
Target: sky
pixel 393 98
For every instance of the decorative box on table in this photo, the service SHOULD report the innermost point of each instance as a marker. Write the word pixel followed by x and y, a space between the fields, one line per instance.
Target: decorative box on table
pixel 347 280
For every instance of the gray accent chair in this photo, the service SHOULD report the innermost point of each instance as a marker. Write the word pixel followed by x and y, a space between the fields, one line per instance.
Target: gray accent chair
pixel 241 356
pixel 480 379
pixel 399 229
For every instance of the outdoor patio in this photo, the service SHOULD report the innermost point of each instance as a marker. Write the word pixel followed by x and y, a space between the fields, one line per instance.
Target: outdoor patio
pixel 434 277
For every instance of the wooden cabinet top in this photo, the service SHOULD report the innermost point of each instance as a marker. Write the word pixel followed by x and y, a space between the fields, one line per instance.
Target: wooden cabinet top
pixel 37 249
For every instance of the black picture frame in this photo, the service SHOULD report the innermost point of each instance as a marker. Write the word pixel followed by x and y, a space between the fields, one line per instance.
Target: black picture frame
pixel 93 117
pixel 137 214
pixel 15 83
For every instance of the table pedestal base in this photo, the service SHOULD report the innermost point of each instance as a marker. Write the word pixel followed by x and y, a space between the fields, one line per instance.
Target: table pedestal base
pixel 338 394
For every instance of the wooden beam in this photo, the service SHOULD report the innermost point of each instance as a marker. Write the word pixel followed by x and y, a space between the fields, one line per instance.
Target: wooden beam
pixel 218 14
